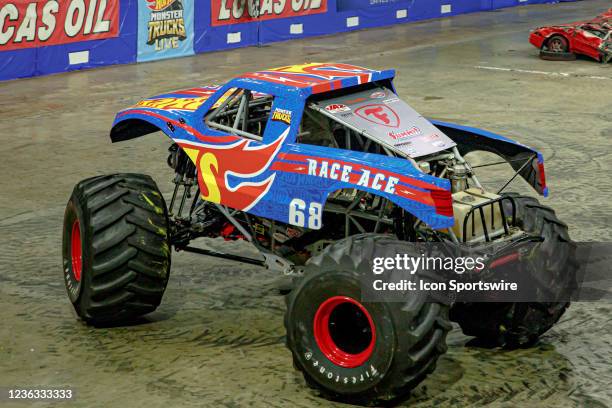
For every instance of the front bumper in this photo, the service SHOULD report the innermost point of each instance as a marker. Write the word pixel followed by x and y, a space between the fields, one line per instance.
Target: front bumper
pixel 536 39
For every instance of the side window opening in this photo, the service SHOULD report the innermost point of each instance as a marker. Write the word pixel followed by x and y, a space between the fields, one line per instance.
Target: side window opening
pixel 241 112
pixel 599 32
pixel 315 129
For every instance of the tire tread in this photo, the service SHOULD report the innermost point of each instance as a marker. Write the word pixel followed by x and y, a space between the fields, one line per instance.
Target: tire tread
pixel 129 247
pixel 420 347
pixel 501 323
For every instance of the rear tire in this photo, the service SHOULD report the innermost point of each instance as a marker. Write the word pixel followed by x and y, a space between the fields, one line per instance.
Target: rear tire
pixel 115 251
pixel 520 324
pixel 358 352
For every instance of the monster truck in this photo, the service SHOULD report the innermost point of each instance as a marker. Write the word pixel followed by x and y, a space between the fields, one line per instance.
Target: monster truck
pixel 321 167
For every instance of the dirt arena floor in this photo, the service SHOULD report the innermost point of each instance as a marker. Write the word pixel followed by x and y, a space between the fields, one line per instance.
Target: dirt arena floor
pixel 218 338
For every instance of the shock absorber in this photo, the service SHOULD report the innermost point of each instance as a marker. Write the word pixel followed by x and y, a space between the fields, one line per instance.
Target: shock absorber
pixel 185 173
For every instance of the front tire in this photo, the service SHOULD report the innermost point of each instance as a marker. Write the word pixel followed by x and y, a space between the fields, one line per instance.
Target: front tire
pixel 115 250
pixel 558 44
pixel 354 351
pixel 557 48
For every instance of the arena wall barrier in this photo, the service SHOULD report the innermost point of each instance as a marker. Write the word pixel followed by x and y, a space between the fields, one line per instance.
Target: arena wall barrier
pixel 39 37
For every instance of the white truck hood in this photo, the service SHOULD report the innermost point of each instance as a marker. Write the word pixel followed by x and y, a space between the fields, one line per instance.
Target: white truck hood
pixel 381 115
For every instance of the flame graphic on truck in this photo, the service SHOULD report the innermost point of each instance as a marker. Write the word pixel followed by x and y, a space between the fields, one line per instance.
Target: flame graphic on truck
pixel 216 163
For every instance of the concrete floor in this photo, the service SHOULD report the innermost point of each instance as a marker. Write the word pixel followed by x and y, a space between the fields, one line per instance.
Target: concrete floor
pixel 217 339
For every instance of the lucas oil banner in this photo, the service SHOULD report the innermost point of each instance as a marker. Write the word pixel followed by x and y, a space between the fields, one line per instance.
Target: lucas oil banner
pixel 37 23
pixel 242 11
pixel 165 29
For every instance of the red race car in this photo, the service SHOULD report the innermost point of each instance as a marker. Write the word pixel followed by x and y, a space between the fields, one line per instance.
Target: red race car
pixel 562 42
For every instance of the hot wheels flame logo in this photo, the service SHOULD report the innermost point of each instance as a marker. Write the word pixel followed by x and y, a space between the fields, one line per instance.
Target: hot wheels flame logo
pixel 158 5
pixel 221 165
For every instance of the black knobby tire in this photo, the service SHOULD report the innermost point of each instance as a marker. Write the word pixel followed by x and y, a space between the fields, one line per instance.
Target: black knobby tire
pixel 403 340
pixel 116 253
pixel 520 324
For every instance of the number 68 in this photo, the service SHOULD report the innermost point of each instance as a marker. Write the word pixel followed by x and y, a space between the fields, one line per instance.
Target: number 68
pixel 297 214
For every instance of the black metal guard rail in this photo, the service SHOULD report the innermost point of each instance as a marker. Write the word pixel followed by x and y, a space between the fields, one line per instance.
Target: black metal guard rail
pixel 480 209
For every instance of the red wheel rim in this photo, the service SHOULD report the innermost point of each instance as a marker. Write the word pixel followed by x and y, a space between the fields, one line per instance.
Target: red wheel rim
pixel 342 316
pixel 76 253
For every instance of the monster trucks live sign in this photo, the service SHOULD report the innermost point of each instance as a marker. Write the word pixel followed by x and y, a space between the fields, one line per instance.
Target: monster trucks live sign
pixel 37 23
pixel 165 29
pixel 242 11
